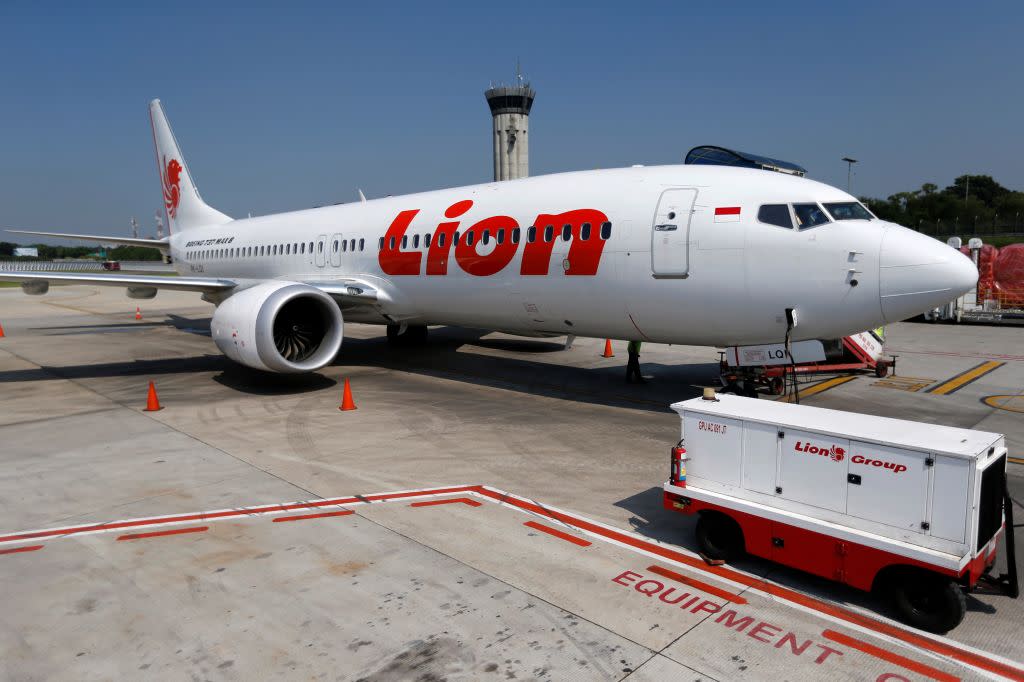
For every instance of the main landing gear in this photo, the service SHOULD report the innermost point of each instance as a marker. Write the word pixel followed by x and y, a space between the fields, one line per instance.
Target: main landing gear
pixel 407 335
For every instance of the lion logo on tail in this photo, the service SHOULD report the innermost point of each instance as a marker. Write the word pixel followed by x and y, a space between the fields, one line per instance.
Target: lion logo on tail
pixel 170 175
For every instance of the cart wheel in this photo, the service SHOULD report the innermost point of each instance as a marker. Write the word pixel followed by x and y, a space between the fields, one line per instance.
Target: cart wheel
pixel 732 387
pixel 777 386
pixel 928 601
pixel 719 537
pixel 749 389
pixel 881 368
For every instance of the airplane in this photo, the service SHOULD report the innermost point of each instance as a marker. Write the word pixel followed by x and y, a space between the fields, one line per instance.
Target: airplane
pixel 683 254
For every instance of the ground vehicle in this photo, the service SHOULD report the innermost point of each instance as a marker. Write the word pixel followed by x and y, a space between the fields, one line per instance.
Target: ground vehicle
pixel 912 510
pixel 744 368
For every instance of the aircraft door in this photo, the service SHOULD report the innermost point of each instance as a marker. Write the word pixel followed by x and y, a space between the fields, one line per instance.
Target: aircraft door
pixel 670 234
pixel 335 247
pixel 320 258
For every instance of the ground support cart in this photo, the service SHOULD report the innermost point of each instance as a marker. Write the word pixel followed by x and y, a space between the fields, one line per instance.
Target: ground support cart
pixel 912 511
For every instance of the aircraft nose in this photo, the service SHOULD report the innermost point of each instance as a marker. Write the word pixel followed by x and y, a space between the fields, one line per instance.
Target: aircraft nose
pixel 918 273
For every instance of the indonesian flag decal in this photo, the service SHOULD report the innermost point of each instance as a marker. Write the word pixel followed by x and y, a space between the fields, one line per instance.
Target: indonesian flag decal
pixel 727 214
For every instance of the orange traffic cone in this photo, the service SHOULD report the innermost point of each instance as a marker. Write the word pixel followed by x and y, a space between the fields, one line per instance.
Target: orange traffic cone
pixel 138 313
pixel 608 349
pixel 152 402
pixel 346 399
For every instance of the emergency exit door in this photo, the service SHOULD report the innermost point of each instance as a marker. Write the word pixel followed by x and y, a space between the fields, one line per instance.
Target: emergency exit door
pixel 320 258
pixel 670 234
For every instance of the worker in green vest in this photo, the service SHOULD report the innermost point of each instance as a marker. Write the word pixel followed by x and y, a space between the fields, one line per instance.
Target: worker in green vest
pixel 633 366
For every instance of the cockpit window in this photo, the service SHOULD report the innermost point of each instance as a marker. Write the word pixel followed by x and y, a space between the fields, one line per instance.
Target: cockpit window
pixel 775 214
pixel 809 215
pixel 850 210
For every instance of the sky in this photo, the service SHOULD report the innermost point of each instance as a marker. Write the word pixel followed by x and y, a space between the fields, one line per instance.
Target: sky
pixel 284 106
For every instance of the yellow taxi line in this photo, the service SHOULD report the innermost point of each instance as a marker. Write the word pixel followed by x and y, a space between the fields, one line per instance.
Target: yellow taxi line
pixel 964 378
pixel 819 387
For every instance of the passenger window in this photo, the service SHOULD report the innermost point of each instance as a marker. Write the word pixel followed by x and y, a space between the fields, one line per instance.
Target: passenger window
pixel 809 215
pixel 426 240
pixel 486 237
pixel 320 247
pixel 416 241
pixel 469 238
pixel 344 245
pixel 362 242
pixel 440 240
pixel 380 246
pixel 606 230
pixel 351 244
pixel 456 239
pixel 585 231
pixel 405 241
pixel 566 232
pixel 288 249
pixel 531 234
pixel 515 235
pixel 549 233
pixel 303 247
pixel 392 243
pixel 311 247
pixel 500 237
pixel 775 214
pixel 335 246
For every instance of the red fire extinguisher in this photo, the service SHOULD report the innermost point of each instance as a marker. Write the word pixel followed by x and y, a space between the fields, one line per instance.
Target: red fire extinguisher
pixel 678 461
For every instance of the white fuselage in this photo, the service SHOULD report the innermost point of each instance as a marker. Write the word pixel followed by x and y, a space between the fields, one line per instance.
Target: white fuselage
pixel 671 270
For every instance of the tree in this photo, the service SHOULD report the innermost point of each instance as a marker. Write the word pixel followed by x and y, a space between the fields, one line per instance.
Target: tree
pixel 982 187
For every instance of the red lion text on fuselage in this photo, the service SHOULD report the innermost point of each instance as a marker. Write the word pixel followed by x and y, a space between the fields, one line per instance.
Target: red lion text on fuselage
pixel 582 227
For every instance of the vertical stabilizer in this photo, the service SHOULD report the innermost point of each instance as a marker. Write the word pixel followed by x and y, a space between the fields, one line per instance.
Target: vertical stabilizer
pixel 185 208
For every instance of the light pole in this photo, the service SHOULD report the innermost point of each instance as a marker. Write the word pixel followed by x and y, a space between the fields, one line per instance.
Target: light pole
pixel 849 171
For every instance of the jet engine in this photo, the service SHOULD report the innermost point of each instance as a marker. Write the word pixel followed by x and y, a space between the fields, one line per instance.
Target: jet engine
pixel 279 327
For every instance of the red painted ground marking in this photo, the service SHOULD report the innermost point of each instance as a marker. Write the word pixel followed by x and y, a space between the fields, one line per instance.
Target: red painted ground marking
pixel 888 656
pixel 30 548
pixel 942 648
pixel 453 500
pixel 558 534
pixel 159 533
pixel 206 516
pixel 303 517
pixel 693 582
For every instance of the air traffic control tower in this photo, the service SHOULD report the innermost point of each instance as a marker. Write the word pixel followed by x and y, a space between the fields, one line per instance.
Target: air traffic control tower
pixel 510 111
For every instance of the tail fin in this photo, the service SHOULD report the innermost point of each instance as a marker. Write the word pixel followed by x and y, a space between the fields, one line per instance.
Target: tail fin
pixel 185 208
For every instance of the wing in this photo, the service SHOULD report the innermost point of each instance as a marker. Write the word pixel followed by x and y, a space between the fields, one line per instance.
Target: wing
pixel 124 241
pixel 201 284
pixel 344 290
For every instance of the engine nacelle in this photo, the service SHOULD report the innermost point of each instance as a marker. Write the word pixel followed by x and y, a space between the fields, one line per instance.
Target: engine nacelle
pixel 279 327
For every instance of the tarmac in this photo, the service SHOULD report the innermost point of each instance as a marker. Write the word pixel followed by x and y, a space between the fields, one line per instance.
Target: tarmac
pixel 492 510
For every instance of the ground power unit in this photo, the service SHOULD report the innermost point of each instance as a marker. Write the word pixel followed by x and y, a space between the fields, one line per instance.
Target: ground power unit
pixel 914 511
